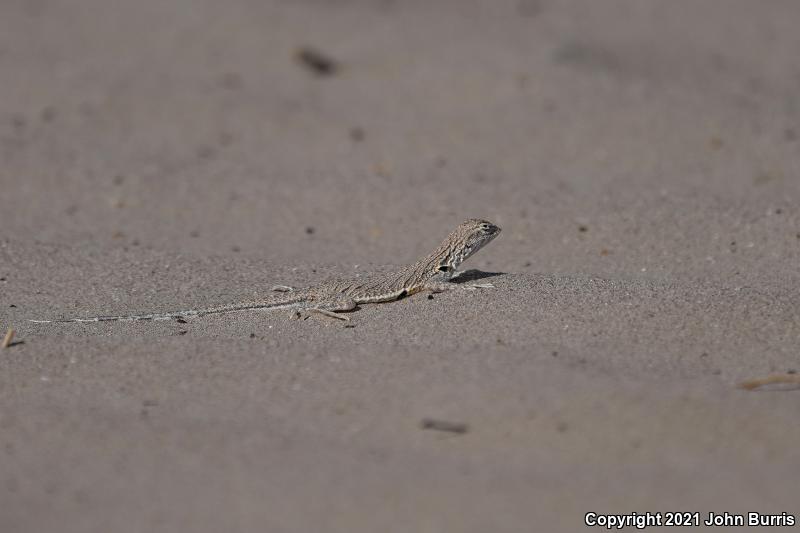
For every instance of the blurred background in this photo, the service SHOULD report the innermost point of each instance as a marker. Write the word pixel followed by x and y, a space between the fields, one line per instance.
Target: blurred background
pixel 605 137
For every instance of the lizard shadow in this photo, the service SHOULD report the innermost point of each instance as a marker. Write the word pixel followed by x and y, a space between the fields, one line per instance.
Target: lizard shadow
pixel 474 275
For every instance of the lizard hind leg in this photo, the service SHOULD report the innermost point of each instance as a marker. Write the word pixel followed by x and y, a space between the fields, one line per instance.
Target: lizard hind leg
pixel 332 306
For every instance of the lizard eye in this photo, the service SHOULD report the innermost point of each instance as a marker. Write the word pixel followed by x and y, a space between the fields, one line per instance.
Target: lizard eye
pixel 444 268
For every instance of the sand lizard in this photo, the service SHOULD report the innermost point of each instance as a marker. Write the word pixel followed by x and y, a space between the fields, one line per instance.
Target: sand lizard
pixel 431 273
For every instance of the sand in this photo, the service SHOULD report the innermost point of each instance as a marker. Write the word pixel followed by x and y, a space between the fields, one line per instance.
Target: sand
pixel 640 156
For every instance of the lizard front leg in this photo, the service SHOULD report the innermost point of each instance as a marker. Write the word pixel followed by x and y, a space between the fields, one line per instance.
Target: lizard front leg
pixel 438 286
pixel 442 286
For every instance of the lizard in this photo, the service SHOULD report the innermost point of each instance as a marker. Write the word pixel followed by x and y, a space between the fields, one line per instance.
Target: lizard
pixel 432 273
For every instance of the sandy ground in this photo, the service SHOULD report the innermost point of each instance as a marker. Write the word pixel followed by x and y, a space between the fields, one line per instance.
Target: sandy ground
pixel 641 157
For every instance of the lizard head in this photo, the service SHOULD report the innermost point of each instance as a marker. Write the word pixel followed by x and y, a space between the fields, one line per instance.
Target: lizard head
pixel 469 237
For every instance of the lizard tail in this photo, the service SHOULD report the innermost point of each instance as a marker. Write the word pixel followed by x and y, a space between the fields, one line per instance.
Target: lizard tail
pixel 179 314
pixel 121 318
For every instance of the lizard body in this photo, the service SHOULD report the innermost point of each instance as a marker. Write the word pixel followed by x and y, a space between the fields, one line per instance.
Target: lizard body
pixel 431 273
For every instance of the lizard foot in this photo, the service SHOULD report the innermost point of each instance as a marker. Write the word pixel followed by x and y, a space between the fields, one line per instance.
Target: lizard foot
pixel 474 286
pixel 282 288
pixel 329 314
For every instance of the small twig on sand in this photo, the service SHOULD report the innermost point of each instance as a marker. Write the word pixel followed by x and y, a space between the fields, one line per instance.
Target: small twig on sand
pixel 444 425
pixel 317 62
pixel 775 379
pixel 7 339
